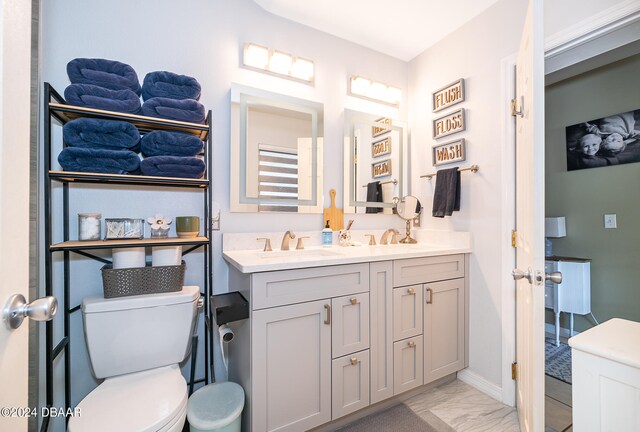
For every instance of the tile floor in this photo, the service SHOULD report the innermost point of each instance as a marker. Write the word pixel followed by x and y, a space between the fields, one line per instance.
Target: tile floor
pixel 458 407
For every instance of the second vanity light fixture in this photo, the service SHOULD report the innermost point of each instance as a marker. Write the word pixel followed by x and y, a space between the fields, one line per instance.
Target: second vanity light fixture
pixel 278 62
pixel 374 90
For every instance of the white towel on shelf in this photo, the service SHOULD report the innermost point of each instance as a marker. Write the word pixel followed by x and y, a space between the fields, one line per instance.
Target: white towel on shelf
pixel 388 190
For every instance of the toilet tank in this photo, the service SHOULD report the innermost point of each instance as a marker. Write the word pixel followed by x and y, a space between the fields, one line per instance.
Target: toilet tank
pixel 131 334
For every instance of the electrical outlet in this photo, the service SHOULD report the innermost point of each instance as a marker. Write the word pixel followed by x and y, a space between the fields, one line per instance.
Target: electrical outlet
pixel 610 221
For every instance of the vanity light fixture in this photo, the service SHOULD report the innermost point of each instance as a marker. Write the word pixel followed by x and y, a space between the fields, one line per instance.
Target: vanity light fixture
pixel 374 90
pixel 278 62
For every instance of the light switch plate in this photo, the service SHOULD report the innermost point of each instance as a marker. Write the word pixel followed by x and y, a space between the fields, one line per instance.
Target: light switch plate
pixel 610 221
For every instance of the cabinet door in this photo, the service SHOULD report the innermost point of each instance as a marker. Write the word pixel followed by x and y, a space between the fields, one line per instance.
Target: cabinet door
pixel 407 312
pixel 443 329
pixel 381 351
pixel 350 326
pixel 350 383
pixel 291 367
pixel 407 364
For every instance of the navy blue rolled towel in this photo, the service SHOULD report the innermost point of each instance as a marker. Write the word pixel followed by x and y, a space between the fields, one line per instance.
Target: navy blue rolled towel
pixel 173 166
pixel 105 73
pixel 92 96
pixel 99 160
pixel 170 85
pixel 186 110
pixel 101 134
pixel 170 143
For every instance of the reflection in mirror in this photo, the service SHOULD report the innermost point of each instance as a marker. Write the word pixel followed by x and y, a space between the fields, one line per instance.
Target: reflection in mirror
pixel 276 152
pixel 375 166
pixel 408 208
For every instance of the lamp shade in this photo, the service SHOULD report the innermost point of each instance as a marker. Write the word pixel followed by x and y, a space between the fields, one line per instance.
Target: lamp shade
pixel 555 227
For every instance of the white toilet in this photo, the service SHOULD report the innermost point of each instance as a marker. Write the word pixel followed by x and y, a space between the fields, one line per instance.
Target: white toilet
pixel 136 343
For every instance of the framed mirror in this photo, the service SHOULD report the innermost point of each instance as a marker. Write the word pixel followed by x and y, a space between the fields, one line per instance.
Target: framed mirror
pixel 375 162
pixel 276 152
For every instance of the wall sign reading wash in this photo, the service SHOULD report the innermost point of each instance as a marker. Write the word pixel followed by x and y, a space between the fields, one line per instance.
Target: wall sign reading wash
pixel 449 124
pixel 449 152
pixel 448 95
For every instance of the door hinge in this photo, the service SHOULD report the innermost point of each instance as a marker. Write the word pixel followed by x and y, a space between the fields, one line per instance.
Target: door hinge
pixel 514 238
pixel 514 371
pixel 515 110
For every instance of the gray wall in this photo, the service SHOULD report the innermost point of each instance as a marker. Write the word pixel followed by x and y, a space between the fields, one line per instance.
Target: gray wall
pixel 584 196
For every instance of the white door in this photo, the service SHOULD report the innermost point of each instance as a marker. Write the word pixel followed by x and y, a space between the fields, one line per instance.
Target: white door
pixel 15 53
pixel 530 222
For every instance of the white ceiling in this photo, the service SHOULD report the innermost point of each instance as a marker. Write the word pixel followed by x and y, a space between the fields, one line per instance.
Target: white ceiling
pixel 399 28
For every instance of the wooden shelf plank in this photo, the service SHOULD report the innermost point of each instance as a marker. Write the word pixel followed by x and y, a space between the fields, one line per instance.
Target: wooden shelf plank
pixel 144 124
pixel 116 244
pixel 84 177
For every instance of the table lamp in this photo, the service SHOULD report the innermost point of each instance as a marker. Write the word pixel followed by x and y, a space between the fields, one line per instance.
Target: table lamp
pixel 554 227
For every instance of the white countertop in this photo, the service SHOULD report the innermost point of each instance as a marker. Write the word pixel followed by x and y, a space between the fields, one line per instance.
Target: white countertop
pixel 616 339
pixel 253 261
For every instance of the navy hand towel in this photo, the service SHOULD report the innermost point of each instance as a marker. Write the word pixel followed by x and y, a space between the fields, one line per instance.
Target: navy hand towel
pixel 170 143
pixel 173 166
pixel 92 96
pixel 446 197
pixel 186 110
pixel 105 73
pixel 98 160
pixel 374 194
pixel 101 134
pixel 170 85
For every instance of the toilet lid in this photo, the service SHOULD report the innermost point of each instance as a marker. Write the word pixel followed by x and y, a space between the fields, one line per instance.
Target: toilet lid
pixel 142 402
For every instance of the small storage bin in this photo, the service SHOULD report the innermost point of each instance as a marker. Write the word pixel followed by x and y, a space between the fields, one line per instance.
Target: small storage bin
pixel 123 228
pixel 142 280
pixel 216 408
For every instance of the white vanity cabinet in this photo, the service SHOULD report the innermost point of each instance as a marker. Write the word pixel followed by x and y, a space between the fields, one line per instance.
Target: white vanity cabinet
pixel 324 342
pixel 442 285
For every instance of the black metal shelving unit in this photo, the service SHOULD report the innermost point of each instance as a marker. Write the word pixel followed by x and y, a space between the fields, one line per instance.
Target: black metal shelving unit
pixel 55 107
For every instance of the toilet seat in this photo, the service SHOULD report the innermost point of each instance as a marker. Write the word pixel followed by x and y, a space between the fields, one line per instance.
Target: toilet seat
pixel 148 401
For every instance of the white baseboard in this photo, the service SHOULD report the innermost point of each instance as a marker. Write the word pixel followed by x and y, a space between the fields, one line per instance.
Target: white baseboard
pixel 564 332
pixel 480 383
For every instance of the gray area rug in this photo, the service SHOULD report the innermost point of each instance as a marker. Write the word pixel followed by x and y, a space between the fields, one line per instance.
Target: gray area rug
pixel 557 360
pixel 398 418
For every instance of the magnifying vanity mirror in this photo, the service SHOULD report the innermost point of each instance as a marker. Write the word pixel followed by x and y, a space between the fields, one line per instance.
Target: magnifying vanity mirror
pixel 276 152
pixel 408 208
pixel 375 163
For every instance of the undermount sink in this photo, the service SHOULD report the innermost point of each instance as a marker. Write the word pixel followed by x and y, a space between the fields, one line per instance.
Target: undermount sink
pixel 299 253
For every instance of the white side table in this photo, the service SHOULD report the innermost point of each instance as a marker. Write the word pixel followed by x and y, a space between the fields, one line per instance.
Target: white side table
pixel 573 295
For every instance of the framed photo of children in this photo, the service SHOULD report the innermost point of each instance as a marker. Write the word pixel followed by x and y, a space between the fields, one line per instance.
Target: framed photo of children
pixel 611 140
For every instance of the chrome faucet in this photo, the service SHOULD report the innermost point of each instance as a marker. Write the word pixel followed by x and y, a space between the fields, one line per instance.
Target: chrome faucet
pixel 394 236
pixel 285 240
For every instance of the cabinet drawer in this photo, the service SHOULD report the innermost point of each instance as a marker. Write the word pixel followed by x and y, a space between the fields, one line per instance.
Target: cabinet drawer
pixel 420 270
pixel 407 312
pixel 350 324
pixel 349 383
pixel 279 288
pixel 407 364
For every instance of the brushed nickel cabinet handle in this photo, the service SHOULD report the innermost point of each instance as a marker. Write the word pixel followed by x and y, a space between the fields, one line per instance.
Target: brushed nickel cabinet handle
pixel 354 301
pixel 411 291
pixel 429 296
pixel 354 361
pixel 327 309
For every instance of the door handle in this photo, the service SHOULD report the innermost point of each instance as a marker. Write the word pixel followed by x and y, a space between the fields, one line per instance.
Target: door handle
pixel 519 274
pixel 17 308
pixel 429 296
pixel 327 308
pixel 555 277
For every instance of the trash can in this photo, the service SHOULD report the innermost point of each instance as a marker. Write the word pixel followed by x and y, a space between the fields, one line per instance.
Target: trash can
pixel 216 407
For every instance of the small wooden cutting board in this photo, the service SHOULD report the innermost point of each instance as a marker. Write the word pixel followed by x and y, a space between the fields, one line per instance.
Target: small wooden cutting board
pixel 334 215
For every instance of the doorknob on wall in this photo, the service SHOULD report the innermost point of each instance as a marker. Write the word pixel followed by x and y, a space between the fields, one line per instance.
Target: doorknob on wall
pixel 17 308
